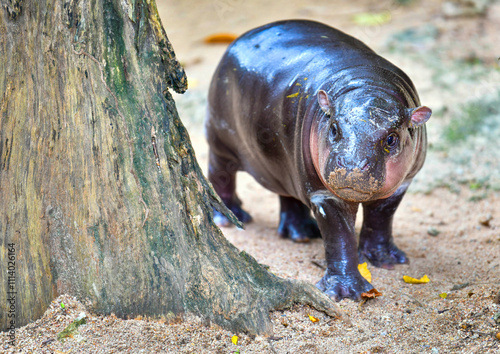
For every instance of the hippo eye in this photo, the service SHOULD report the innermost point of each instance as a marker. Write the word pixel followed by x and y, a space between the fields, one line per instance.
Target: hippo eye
pixel 392 140
pixel 333 131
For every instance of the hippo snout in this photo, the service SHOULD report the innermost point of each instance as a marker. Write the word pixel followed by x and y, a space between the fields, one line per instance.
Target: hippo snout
pixel 357 185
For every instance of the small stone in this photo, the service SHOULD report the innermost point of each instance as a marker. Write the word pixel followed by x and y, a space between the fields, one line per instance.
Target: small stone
pixel 460 286
pixel 432 231
pixel 81 316
pixel 485 220
pixel 496 318
pixel 465 8
pixel 498 335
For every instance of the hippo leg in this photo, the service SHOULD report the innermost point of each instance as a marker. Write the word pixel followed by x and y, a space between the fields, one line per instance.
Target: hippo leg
pixel 375 241
pixel 296 221
pixel 222 175
pixel 336 220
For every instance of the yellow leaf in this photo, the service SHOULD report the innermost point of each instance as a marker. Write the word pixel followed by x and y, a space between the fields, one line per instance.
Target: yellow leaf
pixel 220 38
pixel 410 280
pixel 443 295
pixel 234 339
pixel 372 19
pixel 313 319
pixel 363 269
pixel 293 95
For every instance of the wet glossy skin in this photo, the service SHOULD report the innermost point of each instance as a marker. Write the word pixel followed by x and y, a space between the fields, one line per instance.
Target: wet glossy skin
pixel 320 119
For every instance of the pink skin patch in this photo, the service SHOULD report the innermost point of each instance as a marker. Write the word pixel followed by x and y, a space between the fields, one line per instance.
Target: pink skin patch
pixel 395 174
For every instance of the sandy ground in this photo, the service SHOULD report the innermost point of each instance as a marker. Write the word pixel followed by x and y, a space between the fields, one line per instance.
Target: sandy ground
pixel 461 257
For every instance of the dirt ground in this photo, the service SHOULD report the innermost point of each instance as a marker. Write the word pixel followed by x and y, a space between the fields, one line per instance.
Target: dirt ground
pixel 449 223
pixel 453 196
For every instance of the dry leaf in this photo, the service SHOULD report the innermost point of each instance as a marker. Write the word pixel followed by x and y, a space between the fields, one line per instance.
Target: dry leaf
pixel 234 339
pixel 410 280
pixel 363 269
pixel 372 294
pixel 217 38
pixel 443 295
pixel 313 319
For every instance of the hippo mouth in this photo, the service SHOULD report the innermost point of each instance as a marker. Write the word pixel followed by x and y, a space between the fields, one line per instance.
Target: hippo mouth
pixel 354 186
pixel 353 195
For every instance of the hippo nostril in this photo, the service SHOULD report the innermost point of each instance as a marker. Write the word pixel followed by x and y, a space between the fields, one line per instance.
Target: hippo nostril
pixel 340 161
pixel 363 165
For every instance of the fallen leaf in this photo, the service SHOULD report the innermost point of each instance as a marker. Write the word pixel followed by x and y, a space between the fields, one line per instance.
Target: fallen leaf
pixel 363 269
pixel 485 220
pixel 443 295
pixel 313 319
pixel 71 329
pixel 410 280
pixel 218 38
pixel 234 339
pixel 372 19
pixel 372 294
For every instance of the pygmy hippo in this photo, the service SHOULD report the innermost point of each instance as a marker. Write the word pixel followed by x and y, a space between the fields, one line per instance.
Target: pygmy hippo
pixel 317 117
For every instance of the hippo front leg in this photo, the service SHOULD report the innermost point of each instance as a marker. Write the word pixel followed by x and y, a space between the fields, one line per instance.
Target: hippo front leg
pixel 336 220
pixel 375 241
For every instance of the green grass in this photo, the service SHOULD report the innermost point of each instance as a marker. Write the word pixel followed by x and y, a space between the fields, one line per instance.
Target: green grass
pixel 476 117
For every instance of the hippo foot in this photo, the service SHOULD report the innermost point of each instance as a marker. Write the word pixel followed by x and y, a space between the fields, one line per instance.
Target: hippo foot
pixel 221 220
pixel 298 228
pixel 344 286
pixel 382 255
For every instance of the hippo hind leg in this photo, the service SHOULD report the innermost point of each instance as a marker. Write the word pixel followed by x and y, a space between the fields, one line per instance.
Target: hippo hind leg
pixel 375 241
pixel 222 175
pixel 296 221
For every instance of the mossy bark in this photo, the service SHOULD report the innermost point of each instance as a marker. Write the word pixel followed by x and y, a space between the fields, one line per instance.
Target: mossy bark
pixel 100 191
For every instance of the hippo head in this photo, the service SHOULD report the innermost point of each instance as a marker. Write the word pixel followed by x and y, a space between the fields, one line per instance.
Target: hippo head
pixel 364 147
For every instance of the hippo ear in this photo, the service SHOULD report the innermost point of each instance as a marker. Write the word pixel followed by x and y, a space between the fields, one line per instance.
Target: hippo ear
pixel 324 102
pixel 419 116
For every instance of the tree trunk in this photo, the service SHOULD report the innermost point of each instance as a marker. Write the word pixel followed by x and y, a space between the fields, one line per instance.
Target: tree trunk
pixel 101 195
